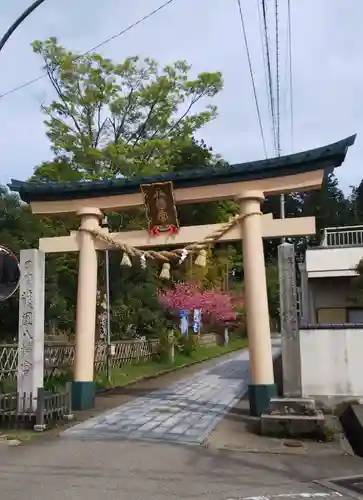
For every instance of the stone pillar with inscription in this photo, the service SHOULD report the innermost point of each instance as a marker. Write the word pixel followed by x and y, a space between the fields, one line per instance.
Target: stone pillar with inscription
pixel 31 325
pixel 291 363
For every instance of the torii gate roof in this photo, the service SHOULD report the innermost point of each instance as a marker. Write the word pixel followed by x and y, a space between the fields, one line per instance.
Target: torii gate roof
pixel 326 158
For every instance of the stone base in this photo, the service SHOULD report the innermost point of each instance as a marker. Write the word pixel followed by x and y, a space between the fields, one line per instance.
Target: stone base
pixel 259 397
pixel 293 426
pixel 297 406
pixel 83 395
pixel 293 417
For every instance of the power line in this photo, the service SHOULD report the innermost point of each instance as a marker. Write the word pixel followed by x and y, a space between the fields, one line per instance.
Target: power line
pixel 252 76
pixel 278 132
pixel 18 22
pixel 268 60
pixel 290 74
pixel 130 27
pixel 265 70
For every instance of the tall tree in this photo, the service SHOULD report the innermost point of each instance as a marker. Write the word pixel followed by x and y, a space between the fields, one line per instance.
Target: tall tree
pixel 328 205
pixel 19 229
pixel 129 118
pixel 132 118
pixel 356 204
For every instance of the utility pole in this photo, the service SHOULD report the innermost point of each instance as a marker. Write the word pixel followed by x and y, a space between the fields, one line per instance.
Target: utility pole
pixel 17 23
pixel 278 132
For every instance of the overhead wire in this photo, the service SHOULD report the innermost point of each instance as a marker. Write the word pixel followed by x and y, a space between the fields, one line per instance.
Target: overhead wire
pixel 291 93
pixel 277 53
pixel 113 37
pixel 278 130
pixel 285 86
pixel 252 76
pixel 19 20
pixel 274 113
pixel 269 72
pixel 265 70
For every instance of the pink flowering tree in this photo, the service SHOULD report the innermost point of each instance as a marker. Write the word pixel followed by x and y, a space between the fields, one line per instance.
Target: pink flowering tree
pixel 217 307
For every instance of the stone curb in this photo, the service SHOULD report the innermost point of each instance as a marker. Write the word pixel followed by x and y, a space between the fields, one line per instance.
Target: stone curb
pixel 169 370
pixel 13 442
pixel 9 442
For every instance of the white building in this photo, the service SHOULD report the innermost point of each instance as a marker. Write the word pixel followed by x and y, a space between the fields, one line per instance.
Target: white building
pixel 327 294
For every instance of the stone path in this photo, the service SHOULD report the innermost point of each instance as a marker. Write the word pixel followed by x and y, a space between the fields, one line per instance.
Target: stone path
pixel 185 412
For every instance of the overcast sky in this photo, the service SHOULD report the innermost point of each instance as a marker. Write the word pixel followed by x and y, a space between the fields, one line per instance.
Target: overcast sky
pixel 327 47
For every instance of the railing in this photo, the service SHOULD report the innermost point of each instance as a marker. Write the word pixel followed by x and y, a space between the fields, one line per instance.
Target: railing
pixel 342 236
pixel 35 410
pixel 59 358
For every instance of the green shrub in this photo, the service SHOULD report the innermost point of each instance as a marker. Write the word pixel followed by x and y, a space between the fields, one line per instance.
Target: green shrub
pixel 57 381
pixel 163 346
pixel 184 345
pixel 188 345
pixel 178 341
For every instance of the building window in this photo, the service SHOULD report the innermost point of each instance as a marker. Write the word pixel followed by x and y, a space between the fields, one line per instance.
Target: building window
pixel 332 316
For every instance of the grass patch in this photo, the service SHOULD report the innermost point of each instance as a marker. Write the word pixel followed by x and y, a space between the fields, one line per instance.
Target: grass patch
pixel 21 435
pixel 136 371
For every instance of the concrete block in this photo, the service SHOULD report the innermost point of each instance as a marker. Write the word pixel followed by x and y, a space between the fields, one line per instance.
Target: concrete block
pixel 298 426
pixel 299 406
pixel 351 420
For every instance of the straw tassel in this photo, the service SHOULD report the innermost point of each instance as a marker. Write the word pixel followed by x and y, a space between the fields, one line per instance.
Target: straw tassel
pixel 143 261
pixel 165 271
pixel 126 261
pixel 183 256
pixel 201 260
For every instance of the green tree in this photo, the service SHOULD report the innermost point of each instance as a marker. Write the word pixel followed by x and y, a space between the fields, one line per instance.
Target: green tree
pixel 328 205
pixel 293 207
pixel 356 204
pixel 273 288
pixel 129 118
pixel 19 229
pixel 132 118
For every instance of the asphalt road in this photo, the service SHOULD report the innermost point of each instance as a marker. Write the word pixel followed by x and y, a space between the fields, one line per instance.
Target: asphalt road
pixel 59 469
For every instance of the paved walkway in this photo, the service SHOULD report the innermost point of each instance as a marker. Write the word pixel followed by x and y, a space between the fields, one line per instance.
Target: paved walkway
pixel 185 412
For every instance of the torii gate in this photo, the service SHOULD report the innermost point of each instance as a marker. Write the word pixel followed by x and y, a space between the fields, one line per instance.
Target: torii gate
pixel 247 183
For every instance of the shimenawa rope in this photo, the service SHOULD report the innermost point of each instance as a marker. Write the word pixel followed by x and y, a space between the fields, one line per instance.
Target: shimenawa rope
pixel 166 255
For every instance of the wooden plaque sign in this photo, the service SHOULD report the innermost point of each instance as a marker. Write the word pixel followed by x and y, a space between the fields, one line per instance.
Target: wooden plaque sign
pixel 160 207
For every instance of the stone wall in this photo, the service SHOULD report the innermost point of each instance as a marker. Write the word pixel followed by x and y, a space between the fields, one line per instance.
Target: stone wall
pixel 208 339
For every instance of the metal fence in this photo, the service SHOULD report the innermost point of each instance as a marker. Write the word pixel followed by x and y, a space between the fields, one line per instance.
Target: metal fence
pixel 59 358
pixel 35 410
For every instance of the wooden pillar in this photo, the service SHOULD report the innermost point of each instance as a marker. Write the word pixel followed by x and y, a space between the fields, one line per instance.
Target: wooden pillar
pixel 83 390
pixel 262 386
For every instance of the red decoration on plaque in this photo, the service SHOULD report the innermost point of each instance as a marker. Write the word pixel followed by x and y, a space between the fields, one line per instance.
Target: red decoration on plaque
pixel 160 208
pixel 154 231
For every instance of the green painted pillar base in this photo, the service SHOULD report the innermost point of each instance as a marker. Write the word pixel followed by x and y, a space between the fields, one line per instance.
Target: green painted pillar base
pixel 83 395
pixel 259 397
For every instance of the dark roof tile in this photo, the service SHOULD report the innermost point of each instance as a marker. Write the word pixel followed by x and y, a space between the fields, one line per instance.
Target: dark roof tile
pixel 327 157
